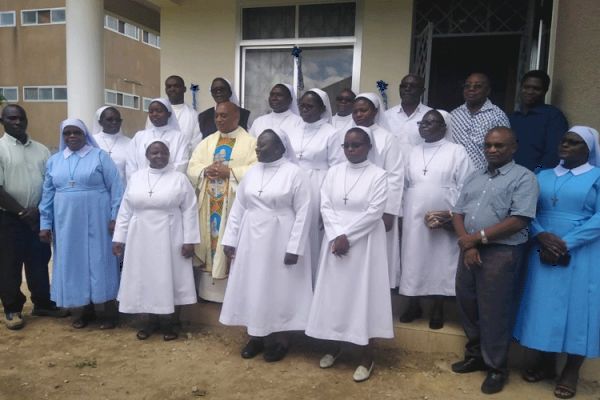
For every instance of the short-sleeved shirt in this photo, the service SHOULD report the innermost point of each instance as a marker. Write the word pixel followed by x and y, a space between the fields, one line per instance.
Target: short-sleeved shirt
pixel 22 168
pixel 405 126
pixel 487 199
pixel 469 129
pixel 539 132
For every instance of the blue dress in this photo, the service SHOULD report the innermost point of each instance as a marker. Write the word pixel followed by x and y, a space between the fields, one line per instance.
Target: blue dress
pixel 560 308
pixel 81 196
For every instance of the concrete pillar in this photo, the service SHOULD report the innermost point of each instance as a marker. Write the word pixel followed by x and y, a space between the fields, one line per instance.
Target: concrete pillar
pixel 85 58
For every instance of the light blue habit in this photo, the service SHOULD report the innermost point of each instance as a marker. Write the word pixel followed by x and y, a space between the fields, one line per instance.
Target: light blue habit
pixel 82 193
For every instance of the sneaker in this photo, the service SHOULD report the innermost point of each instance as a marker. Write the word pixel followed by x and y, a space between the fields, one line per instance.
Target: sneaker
pixel 14 320
pixel 52 311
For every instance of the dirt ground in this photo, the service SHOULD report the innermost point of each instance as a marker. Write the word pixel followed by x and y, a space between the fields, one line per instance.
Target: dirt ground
pixel 50 360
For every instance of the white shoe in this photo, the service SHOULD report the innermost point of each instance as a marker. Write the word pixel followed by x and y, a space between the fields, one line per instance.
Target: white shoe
pixel 328 360
pixel 362 374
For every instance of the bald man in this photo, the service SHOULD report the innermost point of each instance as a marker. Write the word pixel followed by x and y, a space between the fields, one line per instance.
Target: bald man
pixel 217 166
pixel 471 121
pixel 490 219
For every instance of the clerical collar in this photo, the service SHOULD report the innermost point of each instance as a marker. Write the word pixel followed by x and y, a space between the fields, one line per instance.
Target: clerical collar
pixel 282 114
pixel 359 165
pixel 81 152
pixel 275 163
pixel 161 129
pixel 315 125
pixel 559 170
pixel 435 144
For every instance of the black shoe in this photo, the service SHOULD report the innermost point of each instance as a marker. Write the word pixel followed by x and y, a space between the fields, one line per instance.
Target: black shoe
pixel 52 311
pixel 275 353
pixel 411 314
pixel 252 348
pixel 467 365
pixel 494 382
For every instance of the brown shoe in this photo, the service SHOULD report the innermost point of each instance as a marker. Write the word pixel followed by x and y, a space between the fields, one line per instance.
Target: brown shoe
pixel 14 320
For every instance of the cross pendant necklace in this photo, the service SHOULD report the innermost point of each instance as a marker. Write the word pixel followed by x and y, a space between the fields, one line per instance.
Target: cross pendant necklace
pixel 554 198
pixel 151 187
pixel 72 173
pixel 112 146
pixel 347 192
pixel 262 186
pixel 300 156
pixel 425 165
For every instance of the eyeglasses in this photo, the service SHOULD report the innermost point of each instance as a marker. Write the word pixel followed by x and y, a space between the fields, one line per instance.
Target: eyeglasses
pixel 219 90
pixel 428 123
pixel 353 145
pixel 572 142
pixel 344 99
pixel 475 86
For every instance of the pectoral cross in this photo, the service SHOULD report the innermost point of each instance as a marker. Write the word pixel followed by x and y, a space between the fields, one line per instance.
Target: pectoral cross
pixel 554 200
pixel 300 156
pixel 345 199
pixel 72 183
pixel 425 171
pixel 150 193
pixel 110 152
pixel 260 192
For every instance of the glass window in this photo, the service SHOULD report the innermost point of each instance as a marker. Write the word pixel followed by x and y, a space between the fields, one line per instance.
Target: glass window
pixel 45 93
pixel 268 22
pixel 128 101
pixel 110 97
pixel 146 104
pixel 60 93
pixel 327 20
pixel 43 17
pixel 30 93
pixel 7 18
pixel 151 38
pixel 111 23
pixel 58 15
pixel 28 17
pixel 10 93
pixel 131 31
pixel 263 69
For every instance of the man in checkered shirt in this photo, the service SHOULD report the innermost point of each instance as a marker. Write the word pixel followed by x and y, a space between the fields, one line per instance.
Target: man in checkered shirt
pixel 472 120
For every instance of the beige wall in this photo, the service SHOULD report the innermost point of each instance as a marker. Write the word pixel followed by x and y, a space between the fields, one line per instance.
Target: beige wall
pixel 575 87
pixel 387 30
pixel 198 40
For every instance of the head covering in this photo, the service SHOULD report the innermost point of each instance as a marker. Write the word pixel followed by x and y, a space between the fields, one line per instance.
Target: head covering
pixel 590 136
pixel 96 127
pixel 294 104
pixel 447 122
pixel 166 143
pixel 289 153
pixel 376 100
pixel 325 115
pixel 372 154
pixel 172 122
pixel 233 98
pixel 78 123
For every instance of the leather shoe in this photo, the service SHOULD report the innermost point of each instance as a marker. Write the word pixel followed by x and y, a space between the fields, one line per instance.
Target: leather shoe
pixel 252 348
pixel 494 382
pixel 275 353
pixel 411 314
pixel 470 364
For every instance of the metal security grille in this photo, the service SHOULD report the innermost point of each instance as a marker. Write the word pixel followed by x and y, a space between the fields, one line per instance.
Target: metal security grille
pixel 471 17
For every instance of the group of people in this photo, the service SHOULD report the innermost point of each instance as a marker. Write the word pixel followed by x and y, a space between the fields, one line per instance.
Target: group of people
pixel 306 220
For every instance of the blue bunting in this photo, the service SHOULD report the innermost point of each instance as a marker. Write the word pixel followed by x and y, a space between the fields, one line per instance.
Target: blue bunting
pixel 296 53
pixel 195 89
pixel 382 87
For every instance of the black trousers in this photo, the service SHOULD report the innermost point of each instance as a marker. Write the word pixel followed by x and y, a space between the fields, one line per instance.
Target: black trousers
pixel 19 246
pixel 487 299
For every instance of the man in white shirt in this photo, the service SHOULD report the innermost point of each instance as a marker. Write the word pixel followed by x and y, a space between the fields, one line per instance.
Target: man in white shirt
pixel 402 119
pixel 186 116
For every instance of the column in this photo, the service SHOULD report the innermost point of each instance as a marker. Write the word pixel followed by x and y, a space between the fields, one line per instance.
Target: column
pixel 85 58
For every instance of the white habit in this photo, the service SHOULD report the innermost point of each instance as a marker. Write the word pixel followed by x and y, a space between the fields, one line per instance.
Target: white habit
pixel 387 155
pixel 317 147
pixel 283 121
pixel 116 146
pixel 352 301
pixel 270 216
pixel 430 256
pixel 154 226
pixel 187 118
pixel 179 148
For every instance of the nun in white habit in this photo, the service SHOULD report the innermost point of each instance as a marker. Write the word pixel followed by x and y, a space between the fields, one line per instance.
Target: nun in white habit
pixel 284 104
pixel 269 289
pixel 387 155
pixel 352 301
pixel 110 137
pixel 158 220
pixel 164 127
pixel 318 147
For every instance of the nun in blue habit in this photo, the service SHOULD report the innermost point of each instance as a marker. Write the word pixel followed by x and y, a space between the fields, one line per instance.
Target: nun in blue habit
pixel 560 308
pixel 80 201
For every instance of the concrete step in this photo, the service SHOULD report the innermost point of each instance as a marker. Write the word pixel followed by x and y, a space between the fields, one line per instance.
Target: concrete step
pixel 415 336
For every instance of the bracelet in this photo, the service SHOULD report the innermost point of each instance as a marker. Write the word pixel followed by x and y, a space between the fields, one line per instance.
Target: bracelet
pixel 484 239
pixel 21 213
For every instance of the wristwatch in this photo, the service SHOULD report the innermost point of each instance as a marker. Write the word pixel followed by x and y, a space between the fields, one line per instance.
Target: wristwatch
pixel 484 239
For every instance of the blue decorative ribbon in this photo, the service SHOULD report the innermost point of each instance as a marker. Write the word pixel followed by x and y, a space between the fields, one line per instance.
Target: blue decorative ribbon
pixel 195 89
pixel 382 87
pixel 296 53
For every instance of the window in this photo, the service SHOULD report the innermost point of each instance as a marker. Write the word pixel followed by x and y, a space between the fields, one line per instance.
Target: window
pixel 11 94
pixel 121 99
pixel 7 18
pixel 119 26
pixel 44 93
pixel 43 17
pixel 151 38
pixel 324 32
pixel 146 103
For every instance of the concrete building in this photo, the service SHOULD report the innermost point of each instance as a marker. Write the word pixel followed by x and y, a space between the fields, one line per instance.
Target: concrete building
pixel 34 67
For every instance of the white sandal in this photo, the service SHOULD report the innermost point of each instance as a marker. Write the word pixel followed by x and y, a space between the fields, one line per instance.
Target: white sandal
pixel 328 360
pixel 362 374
